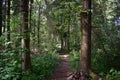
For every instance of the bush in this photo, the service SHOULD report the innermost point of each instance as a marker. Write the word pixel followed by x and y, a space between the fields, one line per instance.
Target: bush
pixel 113 75
pixel 43 67
pixel 10 61
pixel 74 59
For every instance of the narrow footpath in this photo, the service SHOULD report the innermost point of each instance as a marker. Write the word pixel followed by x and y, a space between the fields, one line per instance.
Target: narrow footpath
pixel 63 70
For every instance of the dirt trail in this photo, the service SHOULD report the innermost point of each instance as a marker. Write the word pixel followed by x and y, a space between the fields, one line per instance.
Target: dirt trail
pixel 63 70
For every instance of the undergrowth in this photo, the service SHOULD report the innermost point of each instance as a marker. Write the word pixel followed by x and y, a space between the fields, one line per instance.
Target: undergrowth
pixel 74 60
pixel 111 74
pixel 43 67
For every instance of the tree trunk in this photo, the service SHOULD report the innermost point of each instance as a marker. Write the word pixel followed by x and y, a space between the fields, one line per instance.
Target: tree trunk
pixel 68 30
pixel 0 17
pixel 8 18
pixel 38 28
pixel 30 15
pixel 62 43
pixel 68 37
pixel 16 4
pixel 86 38
pixel 4 16
pixel 25 41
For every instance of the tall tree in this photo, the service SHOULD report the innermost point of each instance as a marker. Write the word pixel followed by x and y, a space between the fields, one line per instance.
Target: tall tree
pixel 68 30
pixel 86 38
pixel 38 26
pixel 4 15
pixel 30 15
pixel 15 6
pixel 25 41
pixel 8 18
pixel 0 17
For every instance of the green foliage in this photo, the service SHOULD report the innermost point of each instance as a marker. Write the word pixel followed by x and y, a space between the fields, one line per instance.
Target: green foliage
pixel 113 75
pixel 43 67
pixel 105 39
pixel 99 62
pixel 53 24
pixel 74 59
pixel 14 23
pixel 10 61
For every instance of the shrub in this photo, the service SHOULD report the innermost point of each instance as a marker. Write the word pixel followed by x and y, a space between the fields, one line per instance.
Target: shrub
pixel 43 67
pixel 74 59
pixel 113 75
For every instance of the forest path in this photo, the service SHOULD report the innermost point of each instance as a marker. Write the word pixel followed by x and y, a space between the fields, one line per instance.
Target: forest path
pixel 63 70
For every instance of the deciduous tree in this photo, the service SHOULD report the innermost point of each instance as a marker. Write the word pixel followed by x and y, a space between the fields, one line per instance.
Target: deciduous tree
pixel 8 18
pixel 25 41
pixel 85 60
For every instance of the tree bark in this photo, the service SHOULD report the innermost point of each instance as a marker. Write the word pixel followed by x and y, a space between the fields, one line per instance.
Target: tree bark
pixel 62 43
pixel 68 38
pixel 38 27
pixel 25 41
pixel 16 4
pixel 68 30
pixel 4 16
pixel 30 15
pixel 0 17
pixel 8 18
pixel 85 63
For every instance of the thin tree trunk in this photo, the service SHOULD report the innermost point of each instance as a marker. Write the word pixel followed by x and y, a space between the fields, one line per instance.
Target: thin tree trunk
pixel 68 30
pixel 0 17
pixel 86 38
pixel 38 28
pixel 8 18
pixel 16 4
pixel 34 30
pixel 65 41
pixel 68 37
pixel 62 44
pixel 25 41
pixel 4 17
pixel 30 15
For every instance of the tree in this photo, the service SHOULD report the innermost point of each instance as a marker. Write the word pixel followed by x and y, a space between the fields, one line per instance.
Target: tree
pixel 4 16
pixel 25 41
pixel 15 6
pixel 30 15
pixel 105 35
pixel 8 18
pixel 38 26
pixel 86 38
pixel 68 28
pixel 0 17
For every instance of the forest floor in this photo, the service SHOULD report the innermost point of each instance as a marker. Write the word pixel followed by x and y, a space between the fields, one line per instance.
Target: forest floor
pixel 63 70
